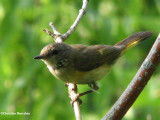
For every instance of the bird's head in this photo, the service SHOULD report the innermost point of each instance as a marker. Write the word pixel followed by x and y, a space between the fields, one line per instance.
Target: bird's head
pixel 53 53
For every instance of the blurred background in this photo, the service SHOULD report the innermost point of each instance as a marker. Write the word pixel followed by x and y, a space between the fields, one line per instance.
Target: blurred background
pixel 26 85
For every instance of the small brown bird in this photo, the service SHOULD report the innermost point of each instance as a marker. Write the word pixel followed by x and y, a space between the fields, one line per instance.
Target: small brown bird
pixel 81 64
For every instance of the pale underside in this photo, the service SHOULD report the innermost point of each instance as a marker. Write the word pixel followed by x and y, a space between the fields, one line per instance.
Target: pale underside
pixel 79 77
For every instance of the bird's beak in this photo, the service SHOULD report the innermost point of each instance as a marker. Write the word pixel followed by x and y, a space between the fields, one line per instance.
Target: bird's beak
pixel 39 57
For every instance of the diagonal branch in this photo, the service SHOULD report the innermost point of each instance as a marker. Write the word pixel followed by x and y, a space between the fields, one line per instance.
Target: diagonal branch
pixel 136 86
pixel 82 11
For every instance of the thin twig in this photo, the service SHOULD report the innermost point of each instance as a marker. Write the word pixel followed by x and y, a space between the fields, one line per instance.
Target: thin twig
pixel 51 24
pixel 63 37
pixel 136 86
pixel 49 33
pixel 82 11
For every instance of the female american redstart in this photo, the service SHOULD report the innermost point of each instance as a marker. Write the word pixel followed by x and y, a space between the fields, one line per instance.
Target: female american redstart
pixel 81 64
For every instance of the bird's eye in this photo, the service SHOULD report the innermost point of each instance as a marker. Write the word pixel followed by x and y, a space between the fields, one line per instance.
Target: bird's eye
pixel 55 52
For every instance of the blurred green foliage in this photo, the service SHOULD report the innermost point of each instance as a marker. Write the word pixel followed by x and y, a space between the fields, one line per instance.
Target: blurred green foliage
pixel 27 86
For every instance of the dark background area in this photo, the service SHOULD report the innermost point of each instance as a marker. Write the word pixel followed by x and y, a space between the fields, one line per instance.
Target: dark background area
pixel 26 85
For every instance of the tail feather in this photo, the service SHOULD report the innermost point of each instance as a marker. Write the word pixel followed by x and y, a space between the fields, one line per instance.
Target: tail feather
pixel 134 39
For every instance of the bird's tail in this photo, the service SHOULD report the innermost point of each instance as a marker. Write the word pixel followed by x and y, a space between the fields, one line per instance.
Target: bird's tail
pixel 134 40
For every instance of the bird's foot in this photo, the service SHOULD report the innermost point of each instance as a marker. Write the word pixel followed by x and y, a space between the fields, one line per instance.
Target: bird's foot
pixel 76 98
pixel 74 95
pixel 93 86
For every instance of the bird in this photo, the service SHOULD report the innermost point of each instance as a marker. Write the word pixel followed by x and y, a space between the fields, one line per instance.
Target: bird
pixel 82 64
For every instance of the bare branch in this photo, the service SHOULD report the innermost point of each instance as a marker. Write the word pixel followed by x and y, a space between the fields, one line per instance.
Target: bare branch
pixel 136 86
pixel 57 36
pixel 49 33
pixel 72 90
pixel 51 24
pixel 82 11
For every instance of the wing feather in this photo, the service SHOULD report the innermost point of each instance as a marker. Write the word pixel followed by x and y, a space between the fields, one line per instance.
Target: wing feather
pixel 90 57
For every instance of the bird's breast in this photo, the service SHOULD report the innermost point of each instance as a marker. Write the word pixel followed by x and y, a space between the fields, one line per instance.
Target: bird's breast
pixel 70 75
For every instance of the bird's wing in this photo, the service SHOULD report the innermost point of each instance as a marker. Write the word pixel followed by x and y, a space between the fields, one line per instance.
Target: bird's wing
pixel 91 57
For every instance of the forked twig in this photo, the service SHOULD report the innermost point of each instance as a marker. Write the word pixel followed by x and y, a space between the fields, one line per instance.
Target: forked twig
pixel 136 86
pixel 63 37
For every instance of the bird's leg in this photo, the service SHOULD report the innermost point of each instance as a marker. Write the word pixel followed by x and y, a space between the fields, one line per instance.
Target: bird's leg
pixel 93 87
